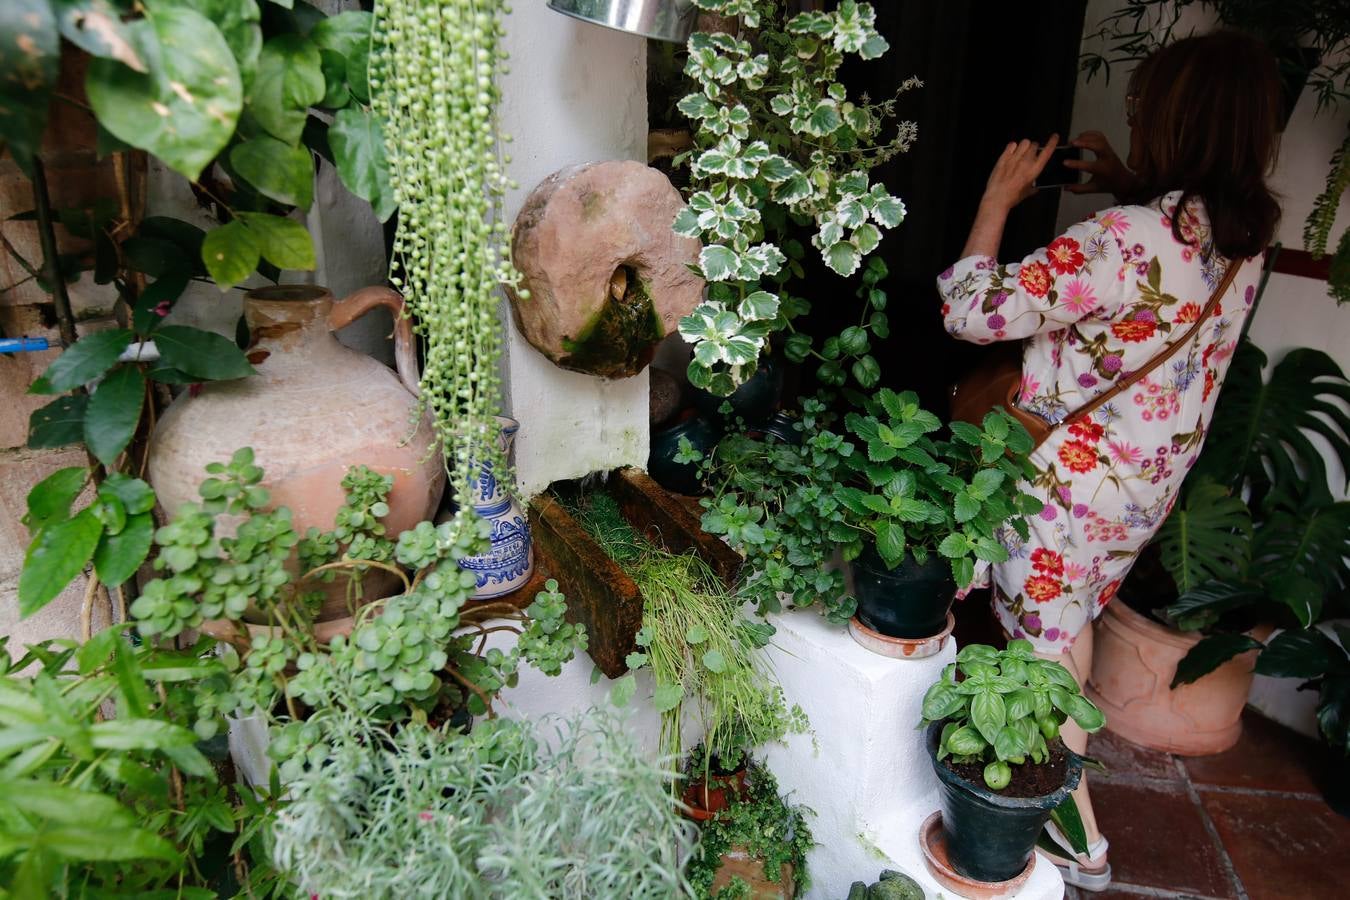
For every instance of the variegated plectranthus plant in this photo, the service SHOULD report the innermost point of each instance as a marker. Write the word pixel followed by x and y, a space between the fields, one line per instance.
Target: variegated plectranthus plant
pixel 777 144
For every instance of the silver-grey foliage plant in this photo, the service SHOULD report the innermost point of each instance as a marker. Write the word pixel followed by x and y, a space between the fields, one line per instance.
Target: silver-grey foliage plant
pixel 511 810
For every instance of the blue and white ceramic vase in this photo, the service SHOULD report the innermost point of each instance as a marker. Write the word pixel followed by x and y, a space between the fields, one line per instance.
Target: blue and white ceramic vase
pixel 510 561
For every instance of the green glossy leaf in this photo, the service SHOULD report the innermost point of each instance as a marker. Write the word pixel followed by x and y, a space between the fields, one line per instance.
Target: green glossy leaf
pixel 59 423
pixel 277 169
pixel 134 494
pixel 30 52
pixel 185 108
pixel 285 243
pixel 114 411
pixel 55 558
pixel 238 22
pixel 204 355
pixel 335 93
pixel 94 842
pixel 231 253
pixel 346 33
pixel 357 140
pixel 61 805
pixel 891 543
pixel 51 498
pixel 1206 538
pixel 1070 823
pixel 289 80
pixel 966 741
pixel 1300 653
pixel 83 361
pixel 1011 743
pixel 118 556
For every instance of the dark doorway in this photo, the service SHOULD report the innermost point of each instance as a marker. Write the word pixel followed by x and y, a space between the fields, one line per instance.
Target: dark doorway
pixel 992 72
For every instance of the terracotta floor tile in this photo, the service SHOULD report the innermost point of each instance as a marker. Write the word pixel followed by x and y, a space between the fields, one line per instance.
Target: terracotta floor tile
pixel 1268 756
pixel 1123 758
pixel 1158 839
pixel 1283 848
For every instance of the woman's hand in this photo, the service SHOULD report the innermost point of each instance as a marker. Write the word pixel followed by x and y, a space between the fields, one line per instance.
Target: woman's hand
pixel 1014 177
pixel 1108 173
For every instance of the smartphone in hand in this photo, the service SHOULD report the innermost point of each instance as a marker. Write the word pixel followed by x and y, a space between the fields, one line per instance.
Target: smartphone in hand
pixel 1056 174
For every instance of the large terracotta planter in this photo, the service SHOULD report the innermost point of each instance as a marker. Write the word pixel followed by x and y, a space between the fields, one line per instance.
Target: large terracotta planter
pixel 1134 661
pixel 313 410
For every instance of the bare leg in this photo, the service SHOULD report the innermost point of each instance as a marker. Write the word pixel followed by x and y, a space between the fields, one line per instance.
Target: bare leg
pixel 1079 662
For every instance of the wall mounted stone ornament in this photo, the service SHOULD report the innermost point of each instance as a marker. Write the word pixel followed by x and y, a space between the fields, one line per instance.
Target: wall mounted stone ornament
pixel 606 275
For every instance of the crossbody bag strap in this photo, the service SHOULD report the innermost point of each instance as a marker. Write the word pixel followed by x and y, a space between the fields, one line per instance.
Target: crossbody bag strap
pixel 1135 377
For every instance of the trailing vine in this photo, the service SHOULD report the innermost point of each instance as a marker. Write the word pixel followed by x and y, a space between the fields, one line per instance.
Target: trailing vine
pixel 779 144
pixel 433 66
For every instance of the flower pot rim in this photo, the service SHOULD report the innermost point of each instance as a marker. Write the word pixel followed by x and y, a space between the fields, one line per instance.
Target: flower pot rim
pixel 1072 776
pixel 1128 617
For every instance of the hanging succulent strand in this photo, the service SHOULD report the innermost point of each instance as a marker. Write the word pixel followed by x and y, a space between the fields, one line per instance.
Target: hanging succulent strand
pixel 433 64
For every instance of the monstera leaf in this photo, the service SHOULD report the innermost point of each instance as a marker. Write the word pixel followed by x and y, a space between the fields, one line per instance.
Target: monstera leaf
pixel 1299 553
pixel 1206 538
pixel 1261 436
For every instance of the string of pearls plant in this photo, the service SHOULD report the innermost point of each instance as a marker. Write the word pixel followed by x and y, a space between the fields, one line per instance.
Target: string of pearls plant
pixel 433 64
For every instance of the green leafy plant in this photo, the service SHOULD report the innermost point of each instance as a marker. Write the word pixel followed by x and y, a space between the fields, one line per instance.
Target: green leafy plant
pixel 696 642
pixel 892 885
pixel 1317 228
pixel 505 811
pixel 1311 654
pixel 918 496
pixel 1002 707
pixel 764 827
pixel 104 786
pixel 779 144
pixel 409 654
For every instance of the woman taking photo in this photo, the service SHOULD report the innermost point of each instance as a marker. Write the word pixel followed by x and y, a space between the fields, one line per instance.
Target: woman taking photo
pixel 1102 302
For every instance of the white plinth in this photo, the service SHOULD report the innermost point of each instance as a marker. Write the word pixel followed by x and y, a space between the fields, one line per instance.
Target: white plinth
pixel 863 769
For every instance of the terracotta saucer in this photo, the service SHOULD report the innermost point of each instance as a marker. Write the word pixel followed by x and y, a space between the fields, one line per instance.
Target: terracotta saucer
pixel 901 648
pixel 934 845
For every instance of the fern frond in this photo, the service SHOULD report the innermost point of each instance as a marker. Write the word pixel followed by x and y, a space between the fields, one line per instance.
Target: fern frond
pixel 1317 228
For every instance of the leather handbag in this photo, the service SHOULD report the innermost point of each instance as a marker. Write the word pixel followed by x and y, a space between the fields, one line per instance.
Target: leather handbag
pixel 998 382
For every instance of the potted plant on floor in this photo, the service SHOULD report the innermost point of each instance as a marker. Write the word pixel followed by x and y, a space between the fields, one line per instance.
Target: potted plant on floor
pixel 993 721
pixel 1255 541
pixel 923 511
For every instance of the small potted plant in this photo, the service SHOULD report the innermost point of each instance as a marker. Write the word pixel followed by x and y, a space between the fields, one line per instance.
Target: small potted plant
pixel 993 721
pixel 713 783
pixel 924 511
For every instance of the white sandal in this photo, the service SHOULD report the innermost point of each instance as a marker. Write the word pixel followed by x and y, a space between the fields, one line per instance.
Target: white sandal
pixel 1089 871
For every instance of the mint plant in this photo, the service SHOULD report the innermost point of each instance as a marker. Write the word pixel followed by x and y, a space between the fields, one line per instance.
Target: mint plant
pixel 779 143
pixel 1002 707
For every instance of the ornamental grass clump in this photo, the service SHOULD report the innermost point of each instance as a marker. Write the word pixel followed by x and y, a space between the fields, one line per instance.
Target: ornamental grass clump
pixel 432 80
pixel 1004 708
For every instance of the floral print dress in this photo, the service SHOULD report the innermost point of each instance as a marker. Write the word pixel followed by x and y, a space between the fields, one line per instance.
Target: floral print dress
pixel 1098 303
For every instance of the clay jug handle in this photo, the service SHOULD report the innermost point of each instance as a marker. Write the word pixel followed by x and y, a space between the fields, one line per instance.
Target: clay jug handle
pixel 358 303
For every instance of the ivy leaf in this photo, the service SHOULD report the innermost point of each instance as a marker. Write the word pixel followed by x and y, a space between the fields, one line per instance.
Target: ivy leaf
pixel 30 55
pixel 114 411
pixel 357 141
pixel 866 238
pixel 230 253
pixel 185 107
pixel 55 558
pixel 335 93
pixel 204 355
pixel 238 23
pixel 759 306
pixel 59 423
pixel 288 83
pixel 888 211
pixel 285 243
pixel 635 660
pixel 824 119
pixel 278 170
pixel 86 359
pixel 794 190
pixel 345 33
pixel 117 557
pixel 714 661
pixel 843 258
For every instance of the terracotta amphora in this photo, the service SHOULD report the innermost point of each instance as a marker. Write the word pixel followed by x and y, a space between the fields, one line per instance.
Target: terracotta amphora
pixel 313 410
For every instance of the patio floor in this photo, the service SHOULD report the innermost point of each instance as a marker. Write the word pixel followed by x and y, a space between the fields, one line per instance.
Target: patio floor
pixel 1248 824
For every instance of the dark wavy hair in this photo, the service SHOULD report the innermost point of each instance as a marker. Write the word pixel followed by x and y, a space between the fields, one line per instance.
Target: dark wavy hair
pixel 1207 114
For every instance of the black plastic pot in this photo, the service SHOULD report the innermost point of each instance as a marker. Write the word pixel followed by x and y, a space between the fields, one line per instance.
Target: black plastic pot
pixel 909 601
pixel 752 401
pixel 991 837
pixel 682 478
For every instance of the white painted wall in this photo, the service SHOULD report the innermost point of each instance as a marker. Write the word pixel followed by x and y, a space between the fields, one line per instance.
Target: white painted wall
pixel 575 93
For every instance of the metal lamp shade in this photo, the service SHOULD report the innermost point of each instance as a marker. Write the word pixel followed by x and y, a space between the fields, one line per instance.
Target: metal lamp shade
pixel 663 20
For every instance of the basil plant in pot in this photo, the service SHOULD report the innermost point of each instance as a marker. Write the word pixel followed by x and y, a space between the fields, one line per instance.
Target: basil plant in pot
pixel 924 511
pixel 993 721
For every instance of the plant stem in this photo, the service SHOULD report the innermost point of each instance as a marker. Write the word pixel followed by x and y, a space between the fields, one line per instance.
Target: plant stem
pixel 51 268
